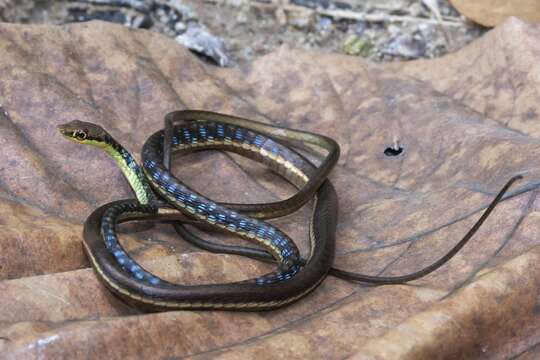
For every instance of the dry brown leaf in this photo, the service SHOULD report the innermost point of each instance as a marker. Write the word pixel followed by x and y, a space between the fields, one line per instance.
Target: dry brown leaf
pixel 397 214
pixel 496 76
pixel 493 12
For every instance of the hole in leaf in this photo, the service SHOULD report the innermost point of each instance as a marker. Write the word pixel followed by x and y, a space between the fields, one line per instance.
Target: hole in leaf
pixel 390 151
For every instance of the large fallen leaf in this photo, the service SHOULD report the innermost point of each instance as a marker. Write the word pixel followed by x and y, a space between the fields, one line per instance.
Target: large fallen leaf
pixel 467 123
pixel 493 12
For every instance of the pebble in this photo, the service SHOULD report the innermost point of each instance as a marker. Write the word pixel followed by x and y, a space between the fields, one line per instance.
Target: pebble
pixel 406 46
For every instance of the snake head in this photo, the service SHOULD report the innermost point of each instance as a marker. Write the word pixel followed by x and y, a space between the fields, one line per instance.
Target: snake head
pixel 85 133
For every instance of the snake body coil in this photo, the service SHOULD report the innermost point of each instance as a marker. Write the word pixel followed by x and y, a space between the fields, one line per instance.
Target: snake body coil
pixel 130 281
pixel 188 131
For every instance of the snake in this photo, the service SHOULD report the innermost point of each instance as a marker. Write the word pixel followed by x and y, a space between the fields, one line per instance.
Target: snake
pixel 195 130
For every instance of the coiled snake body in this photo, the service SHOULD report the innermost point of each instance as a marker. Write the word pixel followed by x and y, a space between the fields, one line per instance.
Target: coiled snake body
pixel 188 131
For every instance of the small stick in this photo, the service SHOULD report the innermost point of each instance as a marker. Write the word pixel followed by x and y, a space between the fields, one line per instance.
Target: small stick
pixel 352 15
pixel 433 6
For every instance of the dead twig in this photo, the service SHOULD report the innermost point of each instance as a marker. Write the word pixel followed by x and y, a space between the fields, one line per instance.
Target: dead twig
pixel 433 6
pixel 350 15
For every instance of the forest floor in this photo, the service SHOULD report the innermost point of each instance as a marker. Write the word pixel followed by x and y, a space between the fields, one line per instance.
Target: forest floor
pixel 232 32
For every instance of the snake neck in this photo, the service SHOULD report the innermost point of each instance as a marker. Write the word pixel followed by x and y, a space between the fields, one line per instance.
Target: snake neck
pixel 131 170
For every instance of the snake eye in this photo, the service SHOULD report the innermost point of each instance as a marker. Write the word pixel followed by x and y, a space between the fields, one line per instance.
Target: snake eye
pixel 79 134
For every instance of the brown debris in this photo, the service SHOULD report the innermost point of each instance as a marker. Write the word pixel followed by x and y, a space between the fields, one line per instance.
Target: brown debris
pixel 493 12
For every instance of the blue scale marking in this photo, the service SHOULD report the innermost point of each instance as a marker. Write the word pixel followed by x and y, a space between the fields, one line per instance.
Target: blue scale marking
pixel 249 226
pixel 278 277
pixel 259 140
pixel 239 135
pixel 110 241
pixel 149 164
pixel 202 132
pixel 187 136
pixel 242 224
pixel 220 130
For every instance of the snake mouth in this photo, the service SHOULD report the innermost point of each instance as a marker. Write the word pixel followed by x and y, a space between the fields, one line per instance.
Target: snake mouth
pixel 75 130
pixel 63 129
pixel 67 133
